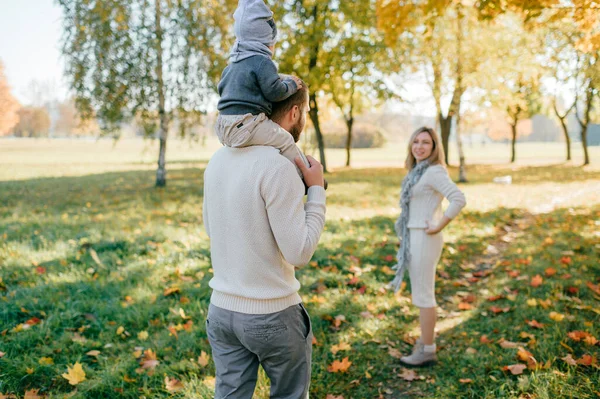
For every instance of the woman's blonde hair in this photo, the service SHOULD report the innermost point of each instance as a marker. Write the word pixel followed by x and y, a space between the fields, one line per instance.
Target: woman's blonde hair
pixel 437 153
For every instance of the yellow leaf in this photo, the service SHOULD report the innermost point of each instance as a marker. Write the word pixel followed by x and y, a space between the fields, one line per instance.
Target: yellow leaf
pixel 142 335
pixel 556 316
pixel 75 375
pixel 343 346
pixel 129 379
pixel 120 330
pixel 46 361
pixel 29 370
pixel 532 302
pixel 203 359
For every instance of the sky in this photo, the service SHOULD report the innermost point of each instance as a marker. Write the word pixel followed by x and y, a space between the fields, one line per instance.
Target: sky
pixel 30 32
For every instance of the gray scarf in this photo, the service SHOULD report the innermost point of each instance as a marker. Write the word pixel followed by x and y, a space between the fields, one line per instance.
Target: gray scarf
pixel 403 256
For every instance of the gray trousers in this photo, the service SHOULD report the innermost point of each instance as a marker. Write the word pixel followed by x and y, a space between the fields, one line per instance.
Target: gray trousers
pixel 281 342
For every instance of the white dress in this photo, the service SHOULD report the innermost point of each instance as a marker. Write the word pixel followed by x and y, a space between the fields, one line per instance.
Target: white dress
pixel 425 249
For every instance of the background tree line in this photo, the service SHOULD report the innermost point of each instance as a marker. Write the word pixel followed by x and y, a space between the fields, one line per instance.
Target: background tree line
pixel 157 62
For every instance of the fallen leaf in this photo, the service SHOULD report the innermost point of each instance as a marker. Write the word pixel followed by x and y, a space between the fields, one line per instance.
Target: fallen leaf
pixel 465 380
pixel 395 353
pixel 557 316
pixel 142 335
pixel 149 360
pixel 93 353
pixel 586 360
pixel 173 385
pixel 534 324
pixel 536 281
pixel 594 287
pixel 523 354
pixel 342 346
pixel 330 396
pixel 496 309
pixel 338 366
pixel 515 369
pixel 203 359
pixel 408 375
pixel 569 360
pixel 550 272
pixel 591 340
pixel 126 378
pixel 120 330
pixel 75 375
pixel 171 291
pixel 471 351
pixel 465 306
pixel 2 354
pixel 508 344
pixel 46 361
pixel 484 339
pixel 32 394
pixel 532 302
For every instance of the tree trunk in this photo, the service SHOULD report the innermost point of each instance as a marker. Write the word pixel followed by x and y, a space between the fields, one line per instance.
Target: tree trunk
pixel 563 124
pixel 462 167
pixel 445 128
pixel 349 123
pixel 314 109
pixel 513 128
pixel 589 98
pixel 567 137
pixel 161 172
pixel 314 117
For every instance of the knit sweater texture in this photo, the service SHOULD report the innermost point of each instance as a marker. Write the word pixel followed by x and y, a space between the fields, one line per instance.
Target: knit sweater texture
pixel 428 194
pixel 260 229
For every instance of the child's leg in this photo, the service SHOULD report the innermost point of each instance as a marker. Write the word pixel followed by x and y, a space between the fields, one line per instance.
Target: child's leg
pixel 271 134
pixel 235 130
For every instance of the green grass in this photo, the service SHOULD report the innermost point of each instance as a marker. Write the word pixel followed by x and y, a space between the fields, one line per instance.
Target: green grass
pixel 89 254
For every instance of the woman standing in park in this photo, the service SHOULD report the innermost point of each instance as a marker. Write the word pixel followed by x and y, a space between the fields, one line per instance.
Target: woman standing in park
pixel 419 229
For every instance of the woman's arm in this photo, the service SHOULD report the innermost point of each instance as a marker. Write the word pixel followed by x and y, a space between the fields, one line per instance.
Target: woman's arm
pixel 441 182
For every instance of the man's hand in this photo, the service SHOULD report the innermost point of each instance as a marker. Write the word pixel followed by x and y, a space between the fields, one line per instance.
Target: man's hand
pixel 298 81
pixel 313 176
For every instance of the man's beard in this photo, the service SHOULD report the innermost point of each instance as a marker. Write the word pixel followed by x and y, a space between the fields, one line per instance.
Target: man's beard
pixel 296 130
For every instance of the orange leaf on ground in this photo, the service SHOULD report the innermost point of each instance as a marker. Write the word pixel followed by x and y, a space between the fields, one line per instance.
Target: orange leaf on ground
pixel 534 324
pixel 465 306
pixel 523 354
pixel 338 366
pixel 330 396
pixel 465 380
pixel 496 309
pixel 495 298
pixel 32 394
pixel 550 272
pixel 595 288
pixel 484 339
pixel 203 359
pixel 536 281
pixel 587 360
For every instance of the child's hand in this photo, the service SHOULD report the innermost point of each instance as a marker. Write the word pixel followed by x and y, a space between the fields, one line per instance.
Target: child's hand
pixel 298 81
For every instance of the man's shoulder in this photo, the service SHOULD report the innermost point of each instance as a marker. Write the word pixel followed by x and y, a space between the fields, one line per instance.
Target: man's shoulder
pixel 263 156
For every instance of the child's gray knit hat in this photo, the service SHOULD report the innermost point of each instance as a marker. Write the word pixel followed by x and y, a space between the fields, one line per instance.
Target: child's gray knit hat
pixel 254 22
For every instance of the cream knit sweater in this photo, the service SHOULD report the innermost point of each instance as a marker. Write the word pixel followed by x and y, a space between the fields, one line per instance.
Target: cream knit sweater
pixel 259 228
pixel 427 195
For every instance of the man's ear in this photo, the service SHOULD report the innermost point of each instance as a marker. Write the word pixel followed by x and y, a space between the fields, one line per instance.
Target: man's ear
pixel 295 113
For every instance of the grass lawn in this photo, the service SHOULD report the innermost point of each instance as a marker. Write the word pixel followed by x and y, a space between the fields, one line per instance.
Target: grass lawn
pixel 101 270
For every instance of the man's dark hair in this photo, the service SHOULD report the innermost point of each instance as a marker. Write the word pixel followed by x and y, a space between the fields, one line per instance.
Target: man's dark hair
pixel 299 98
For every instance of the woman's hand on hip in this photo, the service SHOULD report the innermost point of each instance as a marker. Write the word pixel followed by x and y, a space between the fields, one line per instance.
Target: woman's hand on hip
pixel 432 228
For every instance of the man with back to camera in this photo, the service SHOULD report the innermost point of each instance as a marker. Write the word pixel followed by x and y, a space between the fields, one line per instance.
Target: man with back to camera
pixel 260 231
